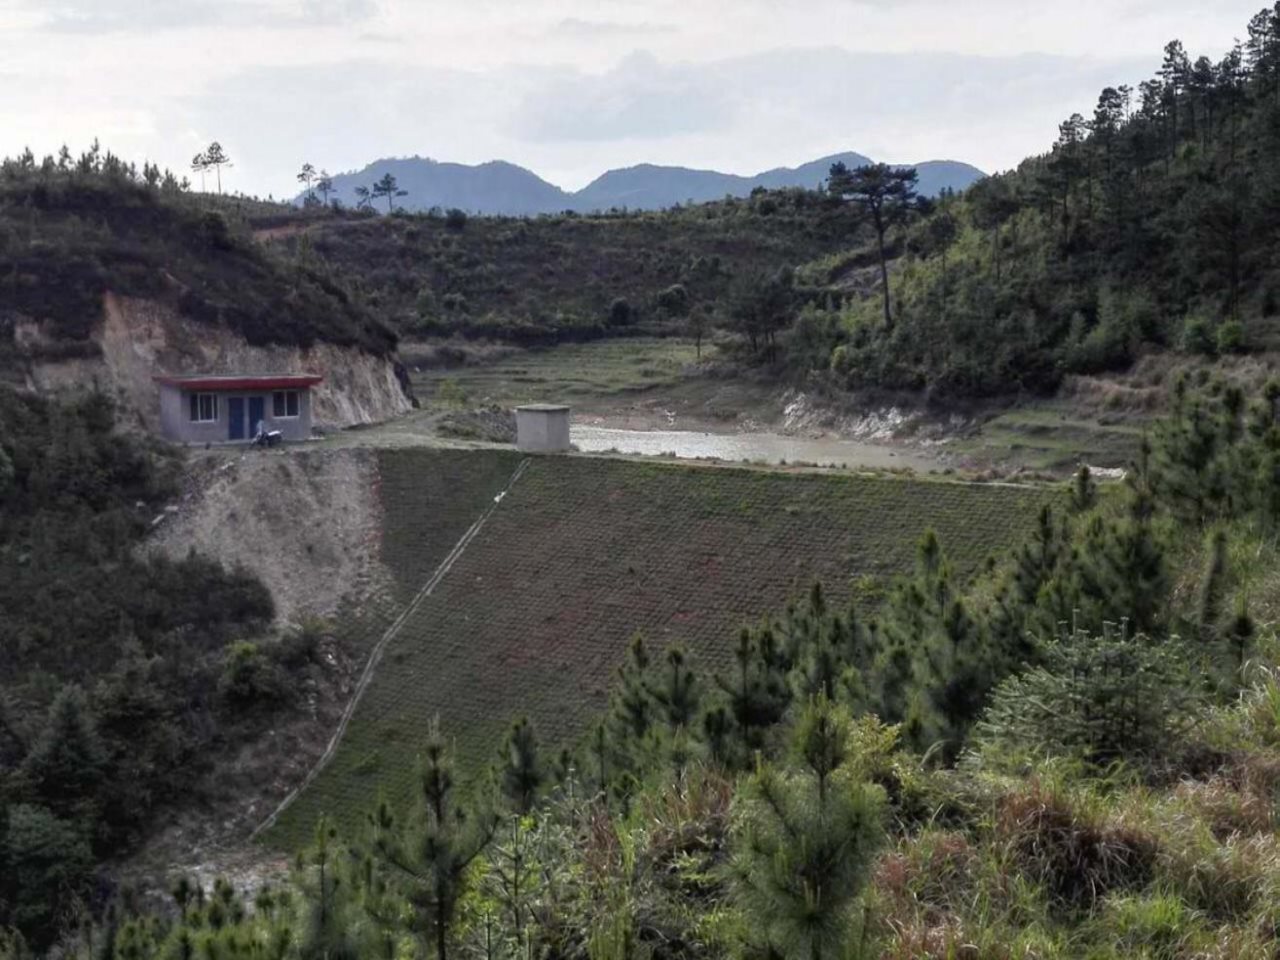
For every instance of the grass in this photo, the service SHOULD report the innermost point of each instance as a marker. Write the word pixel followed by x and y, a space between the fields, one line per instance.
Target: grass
pixel 535 616
pixel 446 498
pixel 1053 435
pixel 569 372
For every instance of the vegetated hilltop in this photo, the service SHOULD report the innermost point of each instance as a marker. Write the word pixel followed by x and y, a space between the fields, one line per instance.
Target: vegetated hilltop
pixel 189 287
pixel 499 188
pixel 1153 223
pixel 569 277
pixel 580 554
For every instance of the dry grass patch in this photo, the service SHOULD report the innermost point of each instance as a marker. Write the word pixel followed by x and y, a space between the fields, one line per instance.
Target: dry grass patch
pixel 1075 853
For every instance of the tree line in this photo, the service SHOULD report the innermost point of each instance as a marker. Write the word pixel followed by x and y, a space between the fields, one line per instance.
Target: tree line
pixel 1151 222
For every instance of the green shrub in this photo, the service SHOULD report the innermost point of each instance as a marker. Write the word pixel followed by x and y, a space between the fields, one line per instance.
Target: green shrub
pixel 300 645
pixel 250 678
pixel 841 360
pixel 1198 336
pixel 451 393
pixel 1113 340
pixel 1230 337
pixel 1100 698
pixel 620 313
pixel 215 232
pixel 48 869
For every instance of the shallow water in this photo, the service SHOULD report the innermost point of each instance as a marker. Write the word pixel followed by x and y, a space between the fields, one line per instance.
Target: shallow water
pixel 768 447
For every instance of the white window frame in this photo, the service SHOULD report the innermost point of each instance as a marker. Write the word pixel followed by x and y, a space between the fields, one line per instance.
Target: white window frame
pixel 284 396
pixel 196 402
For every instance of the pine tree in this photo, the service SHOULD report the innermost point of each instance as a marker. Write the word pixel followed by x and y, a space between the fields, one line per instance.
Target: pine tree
pixel 717 733
pixel 803 843
pixel 938 666
pixel 521 772
pixel 216 157
pixel 599 763
pixel 431 852
pixel 757 693
pixel 387 187
pixel 67 762
pixel 824 661
pixel 885 195
pixel 1084 491
pixel 1120 574
pixel 513 873
pixel 827 649
pixel 894 680
pixel 328 909
pixel 1187 468
pixel 1037 560
pixel 632 711
pixel 324 186
pixel 676 691
pixel 954 673
pixel 307 176
pixel 379 921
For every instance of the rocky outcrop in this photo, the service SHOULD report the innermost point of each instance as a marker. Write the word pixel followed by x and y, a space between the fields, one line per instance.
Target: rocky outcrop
pixel 137 339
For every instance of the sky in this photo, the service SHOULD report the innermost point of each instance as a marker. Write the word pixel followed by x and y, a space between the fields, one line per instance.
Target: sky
pixel 571 88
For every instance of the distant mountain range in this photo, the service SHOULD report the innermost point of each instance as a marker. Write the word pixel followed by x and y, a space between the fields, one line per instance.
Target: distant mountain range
pixel 501 188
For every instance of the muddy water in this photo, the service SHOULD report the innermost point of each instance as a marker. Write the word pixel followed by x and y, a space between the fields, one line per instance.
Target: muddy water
pixel 767 447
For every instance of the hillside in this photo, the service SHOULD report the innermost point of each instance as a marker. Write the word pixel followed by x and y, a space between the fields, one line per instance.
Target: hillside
pixel 504 189
pixel 429 698
pixel 940 768
pixel 582 553
pixel 119 690
pixel 559 278
pixel 1150 225
pixel 109 275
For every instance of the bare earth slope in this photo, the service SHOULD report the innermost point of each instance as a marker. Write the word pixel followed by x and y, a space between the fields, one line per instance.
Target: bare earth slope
pixel 137 338
pixel 535 615
pixel 311 525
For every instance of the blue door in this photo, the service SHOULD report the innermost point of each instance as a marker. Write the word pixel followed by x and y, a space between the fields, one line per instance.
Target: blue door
pixel 257 410
pixel 235 418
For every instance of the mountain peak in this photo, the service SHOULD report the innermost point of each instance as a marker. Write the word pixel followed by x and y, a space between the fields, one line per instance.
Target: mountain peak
pixel 502 188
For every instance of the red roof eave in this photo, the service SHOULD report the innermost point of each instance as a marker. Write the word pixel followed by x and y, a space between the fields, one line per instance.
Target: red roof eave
pixel 217 384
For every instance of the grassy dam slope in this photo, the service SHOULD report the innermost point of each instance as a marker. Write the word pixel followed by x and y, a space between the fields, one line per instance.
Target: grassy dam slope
pixel 535 615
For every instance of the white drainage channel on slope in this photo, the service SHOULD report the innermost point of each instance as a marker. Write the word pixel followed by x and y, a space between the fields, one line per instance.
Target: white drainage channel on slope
pixel 366 676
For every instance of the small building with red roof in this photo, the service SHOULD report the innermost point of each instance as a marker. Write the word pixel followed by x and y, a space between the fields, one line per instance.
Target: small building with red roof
pixel 235 409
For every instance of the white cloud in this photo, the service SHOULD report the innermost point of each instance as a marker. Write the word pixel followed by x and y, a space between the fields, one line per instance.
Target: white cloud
pixel 597 29
pixel 573 87
pixel 137 16
pixel 640 99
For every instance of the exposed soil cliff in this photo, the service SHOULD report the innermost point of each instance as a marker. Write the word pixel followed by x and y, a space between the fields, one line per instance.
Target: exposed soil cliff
pixel 137 339
pixel 305 523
